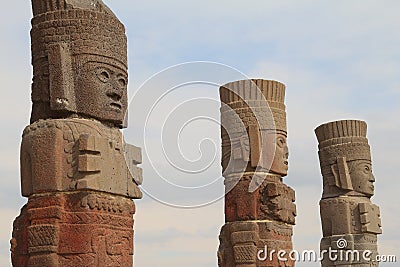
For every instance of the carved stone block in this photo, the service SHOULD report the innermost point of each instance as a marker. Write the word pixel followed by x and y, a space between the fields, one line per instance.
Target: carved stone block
pixel 71 154
pixel 370 218
pixel 254 131
pixel 42 238
pixel 79 58
pixel 349 215
pixel 76 229
pixel 272 200
pixel 252 244
pixel 350 250
pixel 345 159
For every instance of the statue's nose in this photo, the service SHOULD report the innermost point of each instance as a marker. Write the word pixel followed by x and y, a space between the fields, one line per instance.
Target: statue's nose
pixel 286 152
pixel 114 95
pixel 115 92
pixel 372 179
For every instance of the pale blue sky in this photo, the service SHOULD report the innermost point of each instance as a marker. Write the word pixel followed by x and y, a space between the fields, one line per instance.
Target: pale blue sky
pixel 339 59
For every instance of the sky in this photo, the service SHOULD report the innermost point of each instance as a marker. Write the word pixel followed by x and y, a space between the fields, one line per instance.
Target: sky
pixel 339 60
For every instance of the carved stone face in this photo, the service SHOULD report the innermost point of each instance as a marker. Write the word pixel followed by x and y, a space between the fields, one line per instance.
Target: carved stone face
pixel 362 177
pixel 280 164
pixel 101 91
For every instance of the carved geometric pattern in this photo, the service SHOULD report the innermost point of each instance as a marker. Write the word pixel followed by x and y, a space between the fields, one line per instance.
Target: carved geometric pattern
pixel 370 218
pixel 42 238
pixel 245 253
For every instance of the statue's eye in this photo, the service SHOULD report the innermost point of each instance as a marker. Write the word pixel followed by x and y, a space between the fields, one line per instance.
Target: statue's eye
pixel 367 168
pixel 103 75
pixel 122 82
pixel 281 142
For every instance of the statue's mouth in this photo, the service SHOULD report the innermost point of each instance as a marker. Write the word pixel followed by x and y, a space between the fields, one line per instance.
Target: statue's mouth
pixel 115 98
pixel 372 187
pixel 116 106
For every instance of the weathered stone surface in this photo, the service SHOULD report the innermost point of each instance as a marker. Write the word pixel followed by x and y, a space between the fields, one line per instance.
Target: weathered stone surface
pixel 345 159
pixel 252 243
pixel 71 154
pixel 79 57
pixel 259 207
pixel 349 215
pixel 76 229
pixel 253 130
pixel 271 200
pixel 359 242
pixel 347 212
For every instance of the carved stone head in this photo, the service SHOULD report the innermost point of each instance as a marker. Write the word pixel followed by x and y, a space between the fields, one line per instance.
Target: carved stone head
pixel 254 121
pixel 79 57
pixel 345 158
pixel 362 177
pixel 101 84
pixel 280 164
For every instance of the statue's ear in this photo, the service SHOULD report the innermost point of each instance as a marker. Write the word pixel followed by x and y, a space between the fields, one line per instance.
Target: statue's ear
pixel 341 173
pixel 255 145
pixel 61 78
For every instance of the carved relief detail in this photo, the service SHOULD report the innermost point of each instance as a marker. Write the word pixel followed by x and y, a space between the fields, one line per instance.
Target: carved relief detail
pixel 278 201
pixel 108 203
pixel 240 243
pixel 84 155
pixel 91 229
pixel 42 238
pixel 370 218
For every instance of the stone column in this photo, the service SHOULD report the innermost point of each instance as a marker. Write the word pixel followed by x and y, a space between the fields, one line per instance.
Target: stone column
pixel 350 221
pixel 76 170
pixel 259 208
